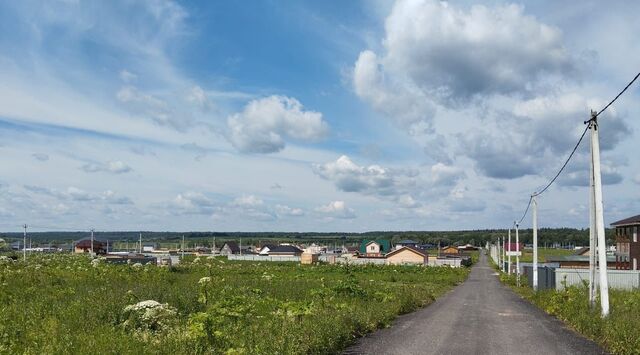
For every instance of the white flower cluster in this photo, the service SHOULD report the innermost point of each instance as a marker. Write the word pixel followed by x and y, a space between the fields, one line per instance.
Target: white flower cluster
pixel 204 280
pixel 149 315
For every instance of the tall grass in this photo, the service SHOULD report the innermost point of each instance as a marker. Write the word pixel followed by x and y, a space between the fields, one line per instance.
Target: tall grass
pixel 66 304
pixel 619 333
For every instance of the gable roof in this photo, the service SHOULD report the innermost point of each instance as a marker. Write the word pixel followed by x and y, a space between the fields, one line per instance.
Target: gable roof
pixel 233 246
pixel 412 249
pixel 626 221
pixel 581 251
pixel 285 249
pixel 385 246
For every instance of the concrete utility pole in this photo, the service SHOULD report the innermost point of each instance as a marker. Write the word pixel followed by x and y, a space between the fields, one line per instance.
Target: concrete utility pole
pixel 517 254
pixel 140 243
pixel 502 259
pixel 92 250
pixel 535 241
pixel 592 241
pixel 509 254
pixel 599 214
pixel 183 246
pixel 24 243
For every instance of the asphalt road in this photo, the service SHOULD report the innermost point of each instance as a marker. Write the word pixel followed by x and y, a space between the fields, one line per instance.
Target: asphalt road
pixel 480 316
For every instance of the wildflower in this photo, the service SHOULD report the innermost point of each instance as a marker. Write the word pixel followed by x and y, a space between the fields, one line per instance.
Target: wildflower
pixel 137 266
pixel 204 280
pixel 149 315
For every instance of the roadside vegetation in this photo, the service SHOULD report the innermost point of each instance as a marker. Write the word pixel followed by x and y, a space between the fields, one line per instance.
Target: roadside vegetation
pixel 619 333
pixel 71 304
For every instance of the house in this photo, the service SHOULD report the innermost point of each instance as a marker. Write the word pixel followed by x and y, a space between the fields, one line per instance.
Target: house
pixel 285 250
pixel 149 247
pixel 315 249
pixel 407 243
pixel 17 245
pixel 469 247
pixel 584 251
pixel 449 250
pixel 264 250
pixel 229 248
pixel 407 255
pixel 84 246
pixel 374 248
pixel 627 255
pixel 308 258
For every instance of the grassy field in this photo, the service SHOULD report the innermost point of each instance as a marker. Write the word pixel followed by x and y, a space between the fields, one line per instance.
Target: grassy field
pixel 543 254
pixel 619 333
pixel 69 304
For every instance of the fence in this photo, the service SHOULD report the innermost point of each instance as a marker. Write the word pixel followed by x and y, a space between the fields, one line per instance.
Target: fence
pixel 263 258
pixel 546 276
pixel 619 279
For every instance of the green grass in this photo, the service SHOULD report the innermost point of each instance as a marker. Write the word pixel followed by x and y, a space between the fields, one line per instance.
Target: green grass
pixel 619 333
pixel 63 304
pixel 543 254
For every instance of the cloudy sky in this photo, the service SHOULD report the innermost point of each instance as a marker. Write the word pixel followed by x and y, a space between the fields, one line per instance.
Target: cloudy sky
pixel 311 116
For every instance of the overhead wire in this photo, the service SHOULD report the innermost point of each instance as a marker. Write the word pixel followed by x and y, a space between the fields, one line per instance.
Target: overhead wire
pixel 575 148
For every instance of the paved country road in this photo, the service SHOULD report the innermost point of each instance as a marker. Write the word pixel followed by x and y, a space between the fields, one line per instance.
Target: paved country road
pixel 480 316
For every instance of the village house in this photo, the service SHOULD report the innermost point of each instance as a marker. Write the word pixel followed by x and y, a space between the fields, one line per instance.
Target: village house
pixel 84 246
pixel 407 255
pixel 407 243
pixel 374 248
pixel 627 255
pixel 230 248
pixel 450 250
pixel 285 250
pixel 264 250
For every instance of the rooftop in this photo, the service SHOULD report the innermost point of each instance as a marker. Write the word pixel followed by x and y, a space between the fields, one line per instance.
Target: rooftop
pixel 627 221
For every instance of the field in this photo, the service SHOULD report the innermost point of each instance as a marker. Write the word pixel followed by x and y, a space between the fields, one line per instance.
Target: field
pixel 543 254
pixel 69 304
pixel 619 333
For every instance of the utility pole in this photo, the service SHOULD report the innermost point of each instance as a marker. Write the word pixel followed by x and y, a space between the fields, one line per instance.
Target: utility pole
pixel 517 255
pixel 599 214
pixel 509 254
pixel 593 244
pixel 24 243
pixel 92 250
pixel 140 243
pixel 502 259
pixel 183 246
pixel 535 241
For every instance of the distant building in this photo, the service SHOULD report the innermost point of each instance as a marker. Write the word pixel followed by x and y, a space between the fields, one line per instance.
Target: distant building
pixel 229 248
pixel 449 250
pixel 407 243
pixel 285 250
pixel 84 246
pixel 407 255
pixel 266 248
pixel 149 247
pixel 470 247
pixel 627 246
pixel 374 248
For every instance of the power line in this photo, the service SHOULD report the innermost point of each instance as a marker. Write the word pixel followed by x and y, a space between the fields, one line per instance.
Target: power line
pixel 617 96
pixel 575 148
pixel 563 165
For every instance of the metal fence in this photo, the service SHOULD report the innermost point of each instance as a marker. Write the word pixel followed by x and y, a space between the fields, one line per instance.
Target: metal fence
pixel 546 276
pixel 619 279
pixel 263 258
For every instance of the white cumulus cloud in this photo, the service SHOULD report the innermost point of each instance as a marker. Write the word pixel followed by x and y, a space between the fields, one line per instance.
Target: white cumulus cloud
pixel 264 124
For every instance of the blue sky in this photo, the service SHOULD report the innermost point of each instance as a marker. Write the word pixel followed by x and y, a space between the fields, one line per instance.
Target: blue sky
pixel 310 116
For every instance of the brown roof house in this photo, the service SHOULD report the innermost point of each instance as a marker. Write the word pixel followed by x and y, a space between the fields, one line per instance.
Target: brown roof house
pixel 84 246
pixel 627 244
pixel 407 255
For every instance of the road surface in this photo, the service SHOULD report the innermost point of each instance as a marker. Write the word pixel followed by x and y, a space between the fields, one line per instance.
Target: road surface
pixel 480 316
